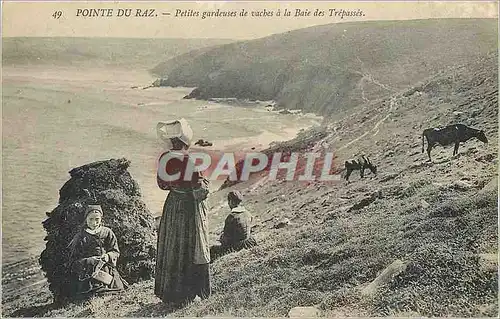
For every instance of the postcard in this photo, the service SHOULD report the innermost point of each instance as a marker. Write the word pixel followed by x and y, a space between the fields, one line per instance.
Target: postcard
pixel 250 159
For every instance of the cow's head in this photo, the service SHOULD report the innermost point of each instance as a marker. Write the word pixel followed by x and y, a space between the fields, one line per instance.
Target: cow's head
pixel 372 167
pixel 480 136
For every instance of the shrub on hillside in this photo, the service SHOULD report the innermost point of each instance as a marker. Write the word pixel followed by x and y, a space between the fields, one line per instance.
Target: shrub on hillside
pixel 439 281
pixel 444 276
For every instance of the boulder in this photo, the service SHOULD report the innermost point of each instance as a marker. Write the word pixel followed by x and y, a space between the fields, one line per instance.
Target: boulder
pixel 195 94
pixel 124 212
pixel 203 143
pixel 395 268
pixel 365 201
pixel 492 186
pixel 282 223
pixel 489 262
pixel 304 312
pixel 388 177
pixel 424 204
pixel 160 82
pixel 462 185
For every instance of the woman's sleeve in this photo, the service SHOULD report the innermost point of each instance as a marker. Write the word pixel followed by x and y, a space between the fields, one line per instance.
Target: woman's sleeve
pixel 162 184
pixel 112 250
pixel 201 192
pixel 172 167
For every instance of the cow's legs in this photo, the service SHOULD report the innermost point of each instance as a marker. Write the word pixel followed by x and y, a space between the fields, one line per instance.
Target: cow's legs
pixel 347 174
pixel 429 148
pixel 455 150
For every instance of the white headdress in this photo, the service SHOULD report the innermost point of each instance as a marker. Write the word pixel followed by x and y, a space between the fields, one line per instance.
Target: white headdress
pixel 178 128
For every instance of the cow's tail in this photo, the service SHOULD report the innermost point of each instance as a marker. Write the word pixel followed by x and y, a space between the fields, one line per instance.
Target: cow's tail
pixel 423 140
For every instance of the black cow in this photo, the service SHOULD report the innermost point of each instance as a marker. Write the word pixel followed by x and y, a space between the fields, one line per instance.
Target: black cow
pixel 451 134
pixel 361 164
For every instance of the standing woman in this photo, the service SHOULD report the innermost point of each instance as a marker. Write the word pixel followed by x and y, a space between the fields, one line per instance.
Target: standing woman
pixel 183 257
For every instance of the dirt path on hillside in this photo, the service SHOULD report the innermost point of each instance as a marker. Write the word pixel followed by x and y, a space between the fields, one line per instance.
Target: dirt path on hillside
pixel 375 127
pixel 367 76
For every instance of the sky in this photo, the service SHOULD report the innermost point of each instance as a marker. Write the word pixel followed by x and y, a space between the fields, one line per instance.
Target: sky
pixel 42 19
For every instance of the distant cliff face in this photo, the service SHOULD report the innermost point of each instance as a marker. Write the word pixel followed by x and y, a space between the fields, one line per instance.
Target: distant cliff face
pixel 332 67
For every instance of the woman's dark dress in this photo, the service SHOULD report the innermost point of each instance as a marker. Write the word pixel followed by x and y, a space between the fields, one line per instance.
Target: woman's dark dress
pixel 86 250
pixel 183 256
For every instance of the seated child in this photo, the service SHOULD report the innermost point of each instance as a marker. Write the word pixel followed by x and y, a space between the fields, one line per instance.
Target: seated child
pixel 92 249
pixel 237 228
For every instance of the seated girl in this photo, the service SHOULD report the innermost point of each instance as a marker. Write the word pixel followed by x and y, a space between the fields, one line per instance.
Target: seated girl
pixel 93 255
pixel 237 228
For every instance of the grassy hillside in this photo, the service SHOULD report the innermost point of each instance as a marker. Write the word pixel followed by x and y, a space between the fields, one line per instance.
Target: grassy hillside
pixel 438 220
pixel 333 67
pixel 135 53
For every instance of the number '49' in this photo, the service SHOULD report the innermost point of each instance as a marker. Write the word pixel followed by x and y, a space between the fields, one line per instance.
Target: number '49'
pixel 57 14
